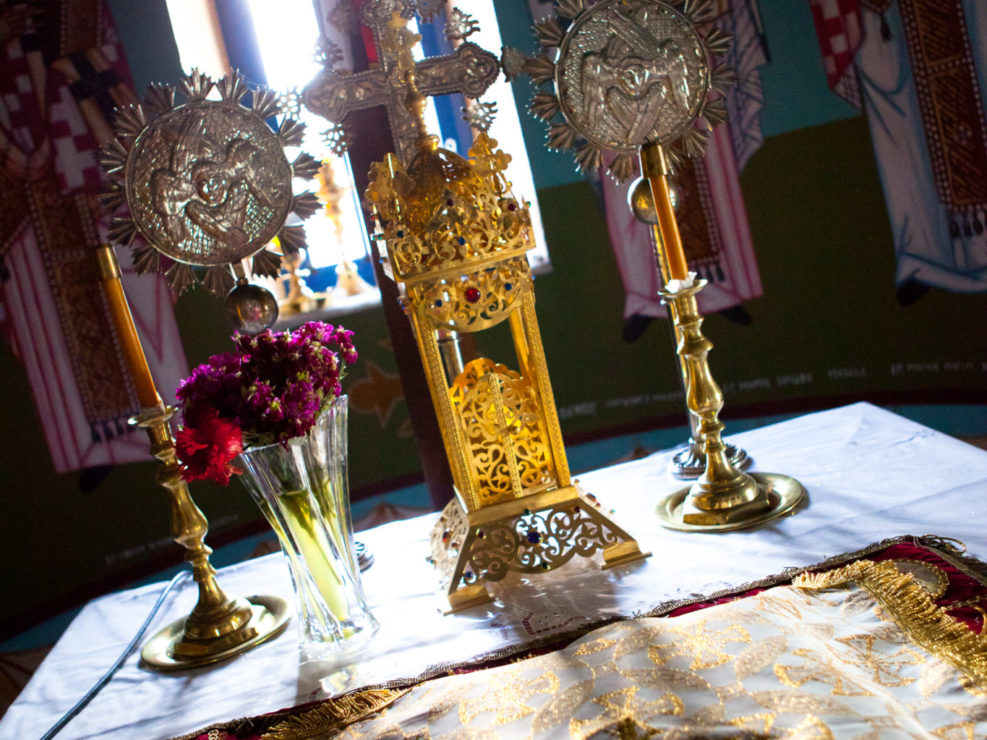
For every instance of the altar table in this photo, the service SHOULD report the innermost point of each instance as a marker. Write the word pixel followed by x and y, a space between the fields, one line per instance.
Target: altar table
pixel 871 475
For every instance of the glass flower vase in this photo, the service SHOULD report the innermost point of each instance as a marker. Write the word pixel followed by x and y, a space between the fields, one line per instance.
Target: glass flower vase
pixel 302 488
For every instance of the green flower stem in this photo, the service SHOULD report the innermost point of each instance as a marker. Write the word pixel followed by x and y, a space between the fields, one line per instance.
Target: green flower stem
pixel 327 504
pixel 301 522
pixel 297 566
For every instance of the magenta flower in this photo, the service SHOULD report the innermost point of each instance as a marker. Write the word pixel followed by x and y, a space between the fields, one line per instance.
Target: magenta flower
pixel 272 388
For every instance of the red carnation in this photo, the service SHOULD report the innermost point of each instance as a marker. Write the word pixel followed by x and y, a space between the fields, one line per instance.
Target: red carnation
pixel 207 450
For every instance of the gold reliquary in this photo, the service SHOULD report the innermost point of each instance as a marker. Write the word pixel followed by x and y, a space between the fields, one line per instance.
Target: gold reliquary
pixel 456 240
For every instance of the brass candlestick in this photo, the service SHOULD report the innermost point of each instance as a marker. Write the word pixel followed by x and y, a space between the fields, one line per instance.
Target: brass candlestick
pixel 629 75
pixel 723 497
pixel 299 299
pixel 689 462
pixel 218 627
pixel 639 77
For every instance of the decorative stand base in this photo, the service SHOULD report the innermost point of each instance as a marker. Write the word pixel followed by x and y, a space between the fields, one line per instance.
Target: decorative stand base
pixel 782 494
pixel 533 534
pixel 690 462
pixel 171 650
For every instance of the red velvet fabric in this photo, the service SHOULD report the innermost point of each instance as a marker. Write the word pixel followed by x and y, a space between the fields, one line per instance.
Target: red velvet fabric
pixel 962 587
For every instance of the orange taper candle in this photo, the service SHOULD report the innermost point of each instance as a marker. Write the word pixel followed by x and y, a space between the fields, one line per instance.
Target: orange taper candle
pixel 123 322
pixel 654 167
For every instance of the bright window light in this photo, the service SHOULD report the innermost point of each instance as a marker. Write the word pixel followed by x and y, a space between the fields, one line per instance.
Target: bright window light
pixel 287 35
pixel 198 37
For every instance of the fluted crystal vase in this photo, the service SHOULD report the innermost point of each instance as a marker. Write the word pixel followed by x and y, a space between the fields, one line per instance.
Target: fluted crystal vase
pixel 302 488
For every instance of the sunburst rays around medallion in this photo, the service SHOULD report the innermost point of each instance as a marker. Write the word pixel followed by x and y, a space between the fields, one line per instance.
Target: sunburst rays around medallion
pixel 567 132
pixel 205 182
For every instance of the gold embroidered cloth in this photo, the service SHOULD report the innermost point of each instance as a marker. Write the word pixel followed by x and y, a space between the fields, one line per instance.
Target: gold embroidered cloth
pixel 786 663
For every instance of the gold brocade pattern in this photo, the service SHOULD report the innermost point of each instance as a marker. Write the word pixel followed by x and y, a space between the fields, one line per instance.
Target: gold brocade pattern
pixel 707 648
pixel 787 663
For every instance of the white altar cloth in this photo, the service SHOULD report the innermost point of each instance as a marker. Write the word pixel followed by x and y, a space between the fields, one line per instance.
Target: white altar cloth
pixel 871 475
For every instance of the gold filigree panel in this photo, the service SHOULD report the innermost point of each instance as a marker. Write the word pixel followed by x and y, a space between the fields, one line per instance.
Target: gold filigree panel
pixel 506 440
pixel 534 534
pixel 539 541
pixel 474 301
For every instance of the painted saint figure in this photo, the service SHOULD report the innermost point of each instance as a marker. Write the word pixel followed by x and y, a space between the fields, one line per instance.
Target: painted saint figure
pixel 918 70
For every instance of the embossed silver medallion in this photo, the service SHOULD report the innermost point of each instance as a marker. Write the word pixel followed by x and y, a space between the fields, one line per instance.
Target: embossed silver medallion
pixel 630 72
pixel 208 183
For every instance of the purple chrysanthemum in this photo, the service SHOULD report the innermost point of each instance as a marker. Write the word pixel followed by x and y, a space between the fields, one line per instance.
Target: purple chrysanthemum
pixel 273 387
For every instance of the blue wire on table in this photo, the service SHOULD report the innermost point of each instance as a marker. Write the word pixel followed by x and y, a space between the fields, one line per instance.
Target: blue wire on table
pixel 105 678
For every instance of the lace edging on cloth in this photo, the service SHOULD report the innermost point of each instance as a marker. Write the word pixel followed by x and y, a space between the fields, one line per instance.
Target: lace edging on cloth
pixel 912 609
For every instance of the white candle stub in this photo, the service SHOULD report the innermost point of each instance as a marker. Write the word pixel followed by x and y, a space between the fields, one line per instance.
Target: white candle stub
pixel 677 286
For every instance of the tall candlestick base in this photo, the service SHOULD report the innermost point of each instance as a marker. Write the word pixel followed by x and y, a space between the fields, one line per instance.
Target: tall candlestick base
pixel 723 498
pixel 690 461
pixel 218 627
pixel 783 494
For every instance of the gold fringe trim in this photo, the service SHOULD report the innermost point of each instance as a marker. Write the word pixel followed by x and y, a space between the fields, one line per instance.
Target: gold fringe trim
pixel 911 608
pixel 334 715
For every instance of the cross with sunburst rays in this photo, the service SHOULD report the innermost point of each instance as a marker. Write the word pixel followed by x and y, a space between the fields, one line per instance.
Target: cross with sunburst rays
pixel 627 73
pixel 206 182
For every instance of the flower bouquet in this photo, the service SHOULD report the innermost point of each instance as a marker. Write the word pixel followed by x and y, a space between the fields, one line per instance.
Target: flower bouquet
pixel 273 411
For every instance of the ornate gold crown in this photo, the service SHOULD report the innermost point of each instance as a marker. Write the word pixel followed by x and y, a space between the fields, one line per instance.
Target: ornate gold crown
pixel 455 234
pixel 445 214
